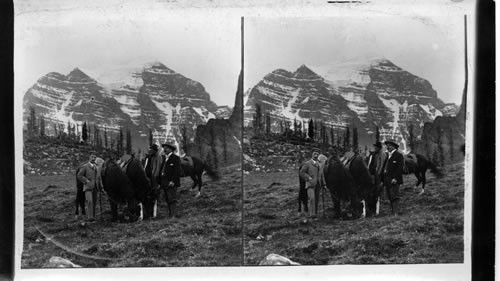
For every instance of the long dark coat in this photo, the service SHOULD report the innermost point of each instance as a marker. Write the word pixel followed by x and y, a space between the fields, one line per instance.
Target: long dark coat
pixel 171 171
pixel 394 168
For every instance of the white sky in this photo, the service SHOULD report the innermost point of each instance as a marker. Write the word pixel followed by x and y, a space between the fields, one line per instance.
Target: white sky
pixel 205 47
pixel 432 48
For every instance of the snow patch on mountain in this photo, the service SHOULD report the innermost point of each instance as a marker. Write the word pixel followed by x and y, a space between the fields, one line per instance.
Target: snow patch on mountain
pixel 204 113
pixel 431 110
pixel 297 79
pixel 394 107
pixel 129 106
pixel 357 103
pixel 61 114
pixel 167 110
pixel 286 111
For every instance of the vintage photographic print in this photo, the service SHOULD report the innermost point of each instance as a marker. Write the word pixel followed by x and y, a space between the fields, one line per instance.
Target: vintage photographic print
pixel 217 140
pixel 354 140
pixel 131 138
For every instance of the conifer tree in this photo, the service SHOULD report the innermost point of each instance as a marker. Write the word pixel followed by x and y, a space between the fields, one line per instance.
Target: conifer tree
pixel 184 139
pixel 355 139
pixel 32 128
pixel 84 132
pixel 411 138
pixel 105 138
pixel 129 142
pixel 451 143
pixel 268 123
pixel 119 144
pixel 42 126
pixel 347 139
pixel 150 136
pixel 310 130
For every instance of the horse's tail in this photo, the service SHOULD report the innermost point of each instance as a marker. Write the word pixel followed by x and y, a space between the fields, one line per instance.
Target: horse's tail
pixel 437 172
pixel 213 174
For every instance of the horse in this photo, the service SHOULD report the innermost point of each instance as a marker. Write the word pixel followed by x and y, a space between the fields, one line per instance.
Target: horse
pixel 351 182
pixel 418 165
pixel 195 171
pixel 131 187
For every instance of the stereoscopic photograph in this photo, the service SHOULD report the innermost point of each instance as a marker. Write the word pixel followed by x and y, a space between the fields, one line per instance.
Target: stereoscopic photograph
pixel 130 139
pixel 354 140
pixel 158 138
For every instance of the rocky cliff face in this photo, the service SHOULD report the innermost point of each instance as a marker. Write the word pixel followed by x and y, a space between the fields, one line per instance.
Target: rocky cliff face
pixel 219 141
pixel 153 97
pixel 363 95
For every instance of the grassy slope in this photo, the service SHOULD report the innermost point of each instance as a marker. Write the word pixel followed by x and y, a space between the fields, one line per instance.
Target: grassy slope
pixel 208 233
pixel 430 230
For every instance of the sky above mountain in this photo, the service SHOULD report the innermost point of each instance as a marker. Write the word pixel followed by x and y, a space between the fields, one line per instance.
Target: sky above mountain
pixel 432 48
pixel 205 47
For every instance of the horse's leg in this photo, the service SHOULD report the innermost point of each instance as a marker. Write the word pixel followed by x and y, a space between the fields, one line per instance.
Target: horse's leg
pixel 155 208
pixel 377 206
pixel 141 212
pixel 200 183
pixel 363 214
pixel 195 181
pixel 424 180
pixel 419 178
pixel 336 207
pixel 114 210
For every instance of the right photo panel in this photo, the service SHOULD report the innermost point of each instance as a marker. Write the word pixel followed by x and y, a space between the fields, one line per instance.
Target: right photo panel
pixel 354 140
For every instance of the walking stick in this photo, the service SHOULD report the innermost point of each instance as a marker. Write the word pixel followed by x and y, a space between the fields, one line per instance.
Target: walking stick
pixel 100 202
pixel 323 199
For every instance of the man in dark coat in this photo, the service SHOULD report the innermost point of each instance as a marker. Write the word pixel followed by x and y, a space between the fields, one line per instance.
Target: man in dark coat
pixel 393 174
pixel 152 168
pixel 170 177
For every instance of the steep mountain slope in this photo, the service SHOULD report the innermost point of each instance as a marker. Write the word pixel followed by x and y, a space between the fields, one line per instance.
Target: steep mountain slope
pixel 364 95
pixel 152 97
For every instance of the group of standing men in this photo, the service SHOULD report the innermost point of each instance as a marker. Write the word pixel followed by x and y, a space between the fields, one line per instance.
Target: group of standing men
pixel 163 171
pixel 386 169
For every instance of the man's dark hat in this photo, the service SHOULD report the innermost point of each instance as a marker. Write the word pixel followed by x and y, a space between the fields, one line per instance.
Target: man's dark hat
pixel 154 147
pixel 378 144
pixel 392 142
pixel 169 145
pixel 316 150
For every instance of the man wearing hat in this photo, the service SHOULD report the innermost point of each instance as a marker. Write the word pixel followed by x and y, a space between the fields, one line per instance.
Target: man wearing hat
pixel 170 178
pixel 90 178
pixel 376 163
pixel 393 174
pixel 152 168
pixel 314 178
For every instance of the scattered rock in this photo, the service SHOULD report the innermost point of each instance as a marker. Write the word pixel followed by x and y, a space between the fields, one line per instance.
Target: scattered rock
pixel 275 259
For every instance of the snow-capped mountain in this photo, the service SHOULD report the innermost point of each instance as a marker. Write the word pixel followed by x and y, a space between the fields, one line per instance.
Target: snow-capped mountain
pixel 152 97
pixel 364 95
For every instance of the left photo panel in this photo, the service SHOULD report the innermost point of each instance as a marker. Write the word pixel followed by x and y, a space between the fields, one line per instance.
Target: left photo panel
pixel 128 128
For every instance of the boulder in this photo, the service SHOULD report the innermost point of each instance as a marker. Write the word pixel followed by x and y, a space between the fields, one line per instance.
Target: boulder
pixel 58 262
pixel 275 259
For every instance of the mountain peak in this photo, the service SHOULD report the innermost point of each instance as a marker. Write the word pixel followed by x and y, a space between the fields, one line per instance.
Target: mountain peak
pixel 304 72
pixel 77 75
pixel 158 67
